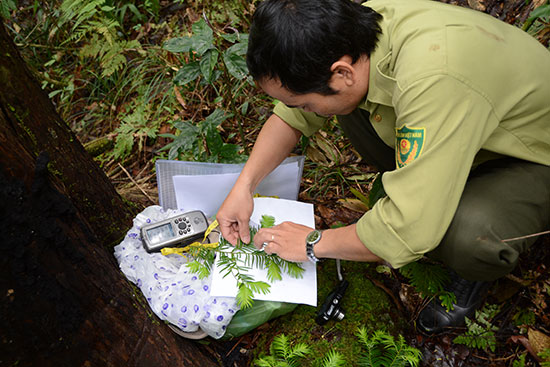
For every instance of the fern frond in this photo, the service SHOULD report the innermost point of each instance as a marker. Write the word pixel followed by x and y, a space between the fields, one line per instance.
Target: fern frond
pixel 381 349
pixel 279 346
pixel 481 332
pixel 300 350
pixel 428 279
pixel 268 361
pixel 334 359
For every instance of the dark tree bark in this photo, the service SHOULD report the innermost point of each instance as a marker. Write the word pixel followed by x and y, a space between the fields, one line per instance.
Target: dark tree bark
pixel 63 301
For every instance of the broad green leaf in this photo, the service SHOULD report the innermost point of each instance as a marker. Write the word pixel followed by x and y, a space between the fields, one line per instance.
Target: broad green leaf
pixel 239 48
pixel 179 44
pixel 244 108
pixel 231 37
pixel 230 153
pixel 215 119
pixel 542 11
pixel 203 37
pixel 213 141
pixel 208 63
pixel 184 141
pixel 187 73
pixel 236 65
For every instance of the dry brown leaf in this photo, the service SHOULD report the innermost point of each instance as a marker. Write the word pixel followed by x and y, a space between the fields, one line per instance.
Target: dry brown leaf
pixel 331 152
pixel 316 155
pixel 538 340
pixel 179 97
pixel 525 342
pixel 477 5
pixel 353 204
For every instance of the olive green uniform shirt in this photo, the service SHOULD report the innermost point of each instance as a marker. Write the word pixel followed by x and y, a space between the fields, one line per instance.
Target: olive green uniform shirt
pixel 448 87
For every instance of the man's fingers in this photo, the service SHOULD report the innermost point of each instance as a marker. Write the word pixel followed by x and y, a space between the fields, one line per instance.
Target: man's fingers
pixel 264 235
pixel 227 232
pixel 244 231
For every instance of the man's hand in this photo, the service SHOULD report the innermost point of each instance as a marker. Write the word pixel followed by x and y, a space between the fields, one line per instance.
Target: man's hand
pixel 274 144
pixel 287 240
pixel 234 215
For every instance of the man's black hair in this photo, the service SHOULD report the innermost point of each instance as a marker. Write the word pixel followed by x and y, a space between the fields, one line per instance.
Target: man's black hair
pixel 297 41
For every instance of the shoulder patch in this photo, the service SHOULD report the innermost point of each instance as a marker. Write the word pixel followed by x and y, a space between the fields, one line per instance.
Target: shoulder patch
pixel 409 143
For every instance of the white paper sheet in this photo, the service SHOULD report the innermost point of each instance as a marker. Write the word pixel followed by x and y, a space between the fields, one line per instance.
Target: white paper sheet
pixel 207 192
pixel 288 289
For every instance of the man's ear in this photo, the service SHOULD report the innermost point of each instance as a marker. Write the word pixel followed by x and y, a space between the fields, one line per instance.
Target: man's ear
pixel 343 73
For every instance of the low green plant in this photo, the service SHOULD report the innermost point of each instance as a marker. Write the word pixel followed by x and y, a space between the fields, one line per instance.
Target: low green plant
pixel 545 357
pixel 382 349
pixel 524 317
pixel 480 333
pixel 6 7
pixel 538 24
pixel 202 142
pixel 283 354
pixel 429 280
pixel 333 359
pixel 379 349
pixel 95 27
pixel 214 58
pixel 520 362
pixel 135 126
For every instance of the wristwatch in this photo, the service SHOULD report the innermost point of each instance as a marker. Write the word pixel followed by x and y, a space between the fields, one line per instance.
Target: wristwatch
pixel 311 239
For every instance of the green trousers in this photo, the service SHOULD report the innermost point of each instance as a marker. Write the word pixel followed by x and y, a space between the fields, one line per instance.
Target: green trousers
pixel 503 199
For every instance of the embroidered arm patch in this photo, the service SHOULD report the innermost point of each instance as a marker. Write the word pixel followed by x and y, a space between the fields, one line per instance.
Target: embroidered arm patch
pixel 409 143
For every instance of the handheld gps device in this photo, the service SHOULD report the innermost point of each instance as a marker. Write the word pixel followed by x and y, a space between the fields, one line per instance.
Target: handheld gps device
pixel 178 230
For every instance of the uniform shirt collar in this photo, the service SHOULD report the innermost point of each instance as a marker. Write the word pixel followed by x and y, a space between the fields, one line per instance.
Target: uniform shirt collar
pixel 381 84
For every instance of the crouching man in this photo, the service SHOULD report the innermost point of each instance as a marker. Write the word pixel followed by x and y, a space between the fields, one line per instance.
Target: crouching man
pixel 451 104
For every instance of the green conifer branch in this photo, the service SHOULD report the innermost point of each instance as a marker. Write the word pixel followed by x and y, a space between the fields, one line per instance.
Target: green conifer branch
pixel 239 260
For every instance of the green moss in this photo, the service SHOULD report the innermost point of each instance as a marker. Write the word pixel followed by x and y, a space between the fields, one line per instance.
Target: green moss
pixel 52 170
pixel 21 120
pixel 364 305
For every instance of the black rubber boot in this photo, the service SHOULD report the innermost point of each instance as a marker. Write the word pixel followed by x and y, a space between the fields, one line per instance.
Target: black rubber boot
pixel 434 319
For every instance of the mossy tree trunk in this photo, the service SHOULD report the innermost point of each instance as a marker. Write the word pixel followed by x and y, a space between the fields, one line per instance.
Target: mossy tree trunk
pixel 63 301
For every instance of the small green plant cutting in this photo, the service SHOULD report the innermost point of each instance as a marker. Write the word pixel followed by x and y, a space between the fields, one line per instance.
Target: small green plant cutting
pixel 238 260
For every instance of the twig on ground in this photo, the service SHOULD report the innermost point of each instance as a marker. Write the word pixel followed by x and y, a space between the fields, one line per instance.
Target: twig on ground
pixel 137 185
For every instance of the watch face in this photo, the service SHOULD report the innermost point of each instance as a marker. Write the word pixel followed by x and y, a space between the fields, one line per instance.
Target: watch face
pixel 313 236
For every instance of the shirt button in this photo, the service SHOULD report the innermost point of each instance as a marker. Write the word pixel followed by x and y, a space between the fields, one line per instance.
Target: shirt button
pixel 377 117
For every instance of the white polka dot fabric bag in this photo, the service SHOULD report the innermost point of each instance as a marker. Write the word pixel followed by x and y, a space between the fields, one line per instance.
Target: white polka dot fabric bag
pixel 174 293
